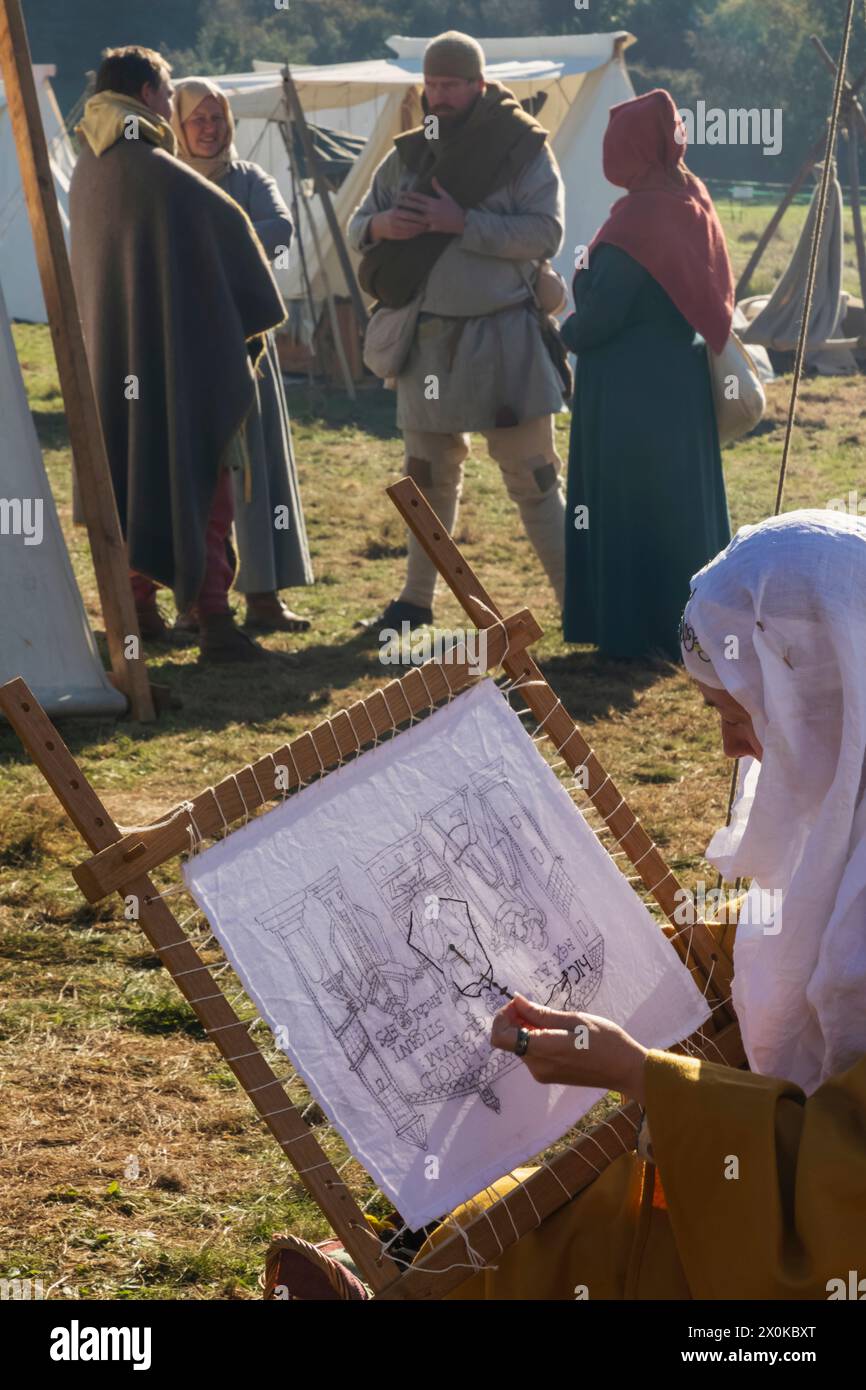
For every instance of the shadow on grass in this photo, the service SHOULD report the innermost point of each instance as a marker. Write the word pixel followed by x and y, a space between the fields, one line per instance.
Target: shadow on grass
pixel 374 411
pixel 51 428
pixel 591 686
pixel 308 683
pixel 298 688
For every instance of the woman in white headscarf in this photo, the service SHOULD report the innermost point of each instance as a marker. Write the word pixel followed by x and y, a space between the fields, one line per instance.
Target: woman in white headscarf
pixel 775 635
pixel 746 1184
pixel 269 519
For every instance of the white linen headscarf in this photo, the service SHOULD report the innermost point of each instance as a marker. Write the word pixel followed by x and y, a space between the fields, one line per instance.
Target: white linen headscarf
pixel 781 616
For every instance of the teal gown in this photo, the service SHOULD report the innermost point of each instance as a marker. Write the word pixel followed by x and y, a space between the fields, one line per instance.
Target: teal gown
pixel 644 459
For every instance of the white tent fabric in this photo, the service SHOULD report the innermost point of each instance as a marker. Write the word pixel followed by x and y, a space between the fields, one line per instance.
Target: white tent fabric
pixel 775 320
pixel 44 633
pixel 19 276
pixel 582 76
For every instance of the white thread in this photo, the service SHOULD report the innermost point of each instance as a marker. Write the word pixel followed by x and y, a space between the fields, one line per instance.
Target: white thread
pixel 249 768
pixel 241 795
pixel 212 791
pixel 420 670
pixel 317 753
pixel 358 741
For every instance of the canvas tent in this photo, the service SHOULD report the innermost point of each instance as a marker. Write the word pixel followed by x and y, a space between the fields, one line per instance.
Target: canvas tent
pixel 44 633
pixel 19 276
pixel 835 321
pixel 580 77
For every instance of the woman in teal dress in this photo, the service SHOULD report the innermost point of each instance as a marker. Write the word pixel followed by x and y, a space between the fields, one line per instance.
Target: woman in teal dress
pixel 646 494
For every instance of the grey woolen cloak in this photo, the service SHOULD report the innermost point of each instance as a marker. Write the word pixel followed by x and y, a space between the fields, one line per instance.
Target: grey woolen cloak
pixel 174 293
pixel 270 558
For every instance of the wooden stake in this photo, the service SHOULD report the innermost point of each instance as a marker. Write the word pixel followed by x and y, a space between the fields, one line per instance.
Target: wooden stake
pixel 296 110
pixel 339 346
pixel 107 546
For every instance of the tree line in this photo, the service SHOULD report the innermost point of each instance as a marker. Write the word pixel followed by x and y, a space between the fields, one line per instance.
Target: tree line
pixel 728 54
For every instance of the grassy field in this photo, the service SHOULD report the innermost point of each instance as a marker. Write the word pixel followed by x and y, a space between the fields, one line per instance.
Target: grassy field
pixel 131 1164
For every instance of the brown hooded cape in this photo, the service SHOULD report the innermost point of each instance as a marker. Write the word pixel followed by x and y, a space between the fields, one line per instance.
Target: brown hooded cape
pixel 173 289
pixel 495 141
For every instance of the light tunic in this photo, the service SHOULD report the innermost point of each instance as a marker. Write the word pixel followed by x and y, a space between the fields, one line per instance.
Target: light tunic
pixel 270 558
pixel 478 332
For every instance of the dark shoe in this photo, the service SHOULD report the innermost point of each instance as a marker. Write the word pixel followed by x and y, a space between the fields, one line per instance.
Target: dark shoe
pixel 268 613
pixel 223 643
pixel 188 622
pixel 398 611
pixel 155 629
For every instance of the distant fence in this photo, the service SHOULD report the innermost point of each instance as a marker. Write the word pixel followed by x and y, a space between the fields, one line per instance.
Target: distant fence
pixel 746 192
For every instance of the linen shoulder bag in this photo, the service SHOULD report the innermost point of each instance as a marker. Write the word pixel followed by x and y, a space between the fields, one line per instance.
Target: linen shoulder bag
pixel 388 337
pixel 736 417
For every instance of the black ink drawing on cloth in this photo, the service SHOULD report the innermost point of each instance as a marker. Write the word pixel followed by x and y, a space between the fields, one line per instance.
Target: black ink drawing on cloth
pixel 476 905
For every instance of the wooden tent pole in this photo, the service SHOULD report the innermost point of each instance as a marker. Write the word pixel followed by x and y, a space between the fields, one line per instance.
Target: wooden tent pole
pixel 298 196
pixel 855 110
pixel 339 345
pixel 816 151
pixel 285 131
pixel 296 111
pixel 85 431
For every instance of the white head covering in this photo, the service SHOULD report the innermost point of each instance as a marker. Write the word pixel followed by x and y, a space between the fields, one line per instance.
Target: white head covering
pixel 781 615
pixel 189 93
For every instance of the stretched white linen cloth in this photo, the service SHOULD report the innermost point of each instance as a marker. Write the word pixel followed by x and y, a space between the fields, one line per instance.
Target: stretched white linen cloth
pixel 781 615
pixel 377 917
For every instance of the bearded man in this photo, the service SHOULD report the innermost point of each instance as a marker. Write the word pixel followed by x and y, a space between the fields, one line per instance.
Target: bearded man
pixel 175 293
pixel 458 216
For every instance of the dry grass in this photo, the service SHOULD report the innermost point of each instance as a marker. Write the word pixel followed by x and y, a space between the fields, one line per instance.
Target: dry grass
pixel 130 1163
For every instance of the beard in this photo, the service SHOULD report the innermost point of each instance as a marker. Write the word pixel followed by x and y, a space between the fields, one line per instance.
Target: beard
pixel 449 120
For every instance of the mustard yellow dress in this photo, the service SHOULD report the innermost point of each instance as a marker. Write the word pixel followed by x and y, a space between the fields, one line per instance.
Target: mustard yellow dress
pixel 791 1220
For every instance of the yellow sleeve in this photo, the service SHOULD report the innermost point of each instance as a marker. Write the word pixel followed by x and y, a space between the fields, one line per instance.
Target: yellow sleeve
pixel 765 1188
